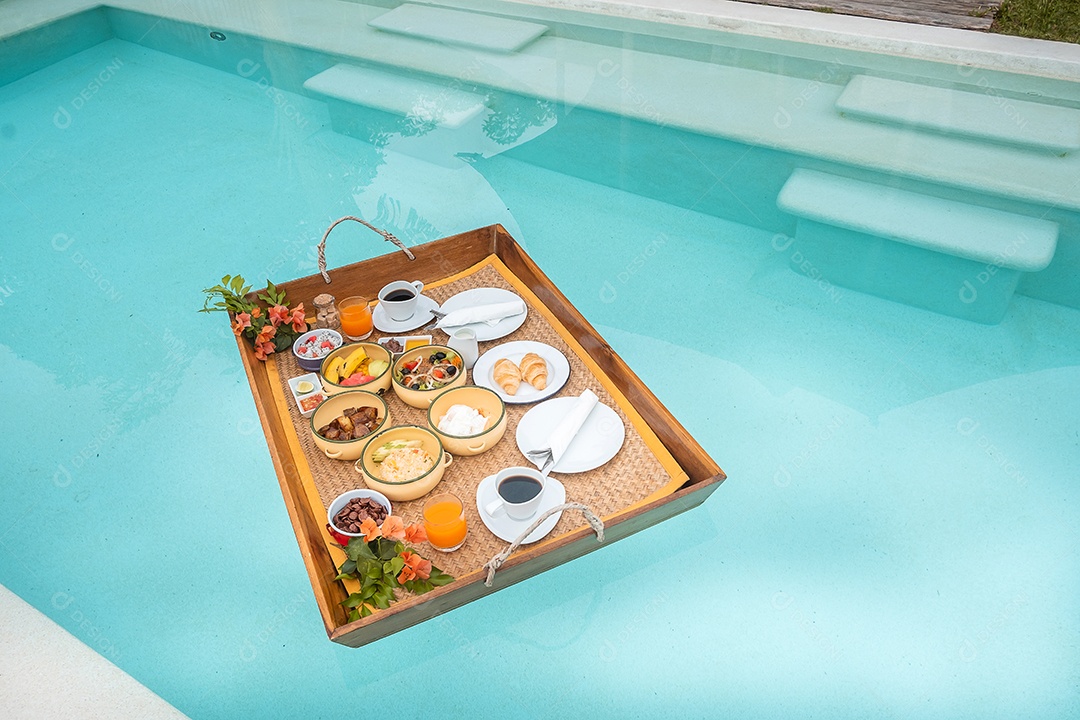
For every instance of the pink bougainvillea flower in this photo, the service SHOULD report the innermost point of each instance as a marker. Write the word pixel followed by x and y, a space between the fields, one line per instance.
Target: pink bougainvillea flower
pixel 299 324
pixel 243 321
pixel 416 565
pixel 266 334
pixel 415 534
pixel 264 350
pixel 393 528
pixel 370 529
pixel 279 314
pixel 406 575
pixel 256 312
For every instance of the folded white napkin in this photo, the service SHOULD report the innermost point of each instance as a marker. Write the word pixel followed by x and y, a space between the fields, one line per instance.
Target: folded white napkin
pixel 567 429
pixel 490 314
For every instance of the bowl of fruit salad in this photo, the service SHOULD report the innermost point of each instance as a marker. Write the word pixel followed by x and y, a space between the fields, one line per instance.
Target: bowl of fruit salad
pixel 313 346
pixel 356 366
pixel 422 374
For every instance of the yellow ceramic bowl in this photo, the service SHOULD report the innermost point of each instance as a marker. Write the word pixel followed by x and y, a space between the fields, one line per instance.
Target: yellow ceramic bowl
pixel 333 407
pixel 408 489
pixel 490 406
pixel 373 351
pixel 423 398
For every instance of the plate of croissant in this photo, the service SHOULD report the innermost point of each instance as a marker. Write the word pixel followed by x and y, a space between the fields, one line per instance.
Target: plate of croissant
pixel 523 371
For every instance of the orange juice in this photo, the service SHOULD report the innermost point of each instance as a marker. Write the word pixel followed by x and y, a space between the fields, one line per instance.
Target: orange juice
pixel 355 317
pixel 444 521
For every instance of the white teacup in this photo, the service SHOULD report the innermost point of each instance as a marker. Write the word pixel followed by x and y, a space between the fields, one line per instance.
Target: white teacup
pixel 399 298
pixel 520 490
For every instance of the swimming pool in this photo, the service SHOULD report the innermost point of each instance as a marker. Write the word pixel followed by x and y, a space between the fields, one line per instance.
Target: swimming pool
pixel 897 534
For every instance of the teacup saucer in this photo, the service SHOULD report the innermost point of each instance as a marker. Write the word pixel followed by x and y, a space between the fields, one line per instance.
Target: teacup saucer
pixel 507 528
pixel 422 316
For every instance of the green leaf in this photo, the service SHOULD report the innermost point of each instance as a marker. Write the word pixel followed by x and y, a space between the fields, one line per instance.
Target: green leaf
pixel 381 601
pixel 439 578
pixel 387 550
pixel 348 566
pixel 354 615
pixel 374 572
pixel 369 591
pixel 354 600
pixel 396 565
pixel 365 611
pixel 225 280
pixel 343 576
pixel 418 586
pixel 358 550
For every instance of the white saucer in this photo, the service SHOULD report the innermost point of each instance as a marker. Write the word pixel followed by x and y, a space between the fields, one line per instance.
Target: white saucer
pixel 486 296
pixel 422 316
pixel 600 438
pixel 507 528
pixel 557 364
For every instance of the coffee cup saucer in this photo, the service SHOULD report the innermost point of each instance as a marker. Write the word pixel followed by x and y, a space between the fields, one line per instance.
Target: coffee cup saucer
pixel 507 528
pixel 422 316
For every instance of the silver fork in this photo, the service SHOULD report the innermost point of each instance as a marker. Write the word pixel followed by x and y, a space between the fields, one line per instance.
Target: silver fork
pixel 439 315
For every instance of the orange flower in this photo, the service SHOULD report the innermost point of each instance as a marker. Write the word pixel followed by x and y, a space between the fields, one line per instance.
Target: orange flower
pixel 370 529
pixel 266 334
pixel 415 567
pixel 256 312
pixel 415 533
pixel 299 324
pixel 393 528
pixel 264 350
pixel 278 315
pixel 243 321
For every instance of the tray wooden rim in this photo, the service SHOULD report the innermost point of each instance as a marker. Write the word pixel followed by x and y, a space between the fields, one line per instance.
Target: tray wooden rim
pixel 433 264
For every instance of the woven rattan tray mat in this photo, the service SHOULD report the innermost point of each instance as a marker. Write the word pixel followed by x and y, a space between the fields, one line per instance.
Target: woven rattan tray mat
pixel 633 475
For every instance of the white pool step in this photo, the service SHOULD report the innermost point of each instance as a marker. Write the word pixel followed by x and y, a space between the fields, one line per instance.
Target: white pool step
pixel 948 256
pixel 986 115
pixel 397 94
pixel 457 27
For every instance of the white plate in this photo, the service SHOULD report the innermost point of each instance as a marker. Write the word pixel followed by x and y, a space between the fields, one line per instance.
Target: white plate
pixel 507 528
pixel 599 439
pixel 422 316
pixel 486 296
pixel 557 364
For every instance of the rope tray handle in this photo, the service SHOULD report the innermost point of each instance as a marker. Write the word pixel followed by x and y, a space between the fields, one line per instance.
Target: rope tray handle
pixel 385 234
pixel 497 561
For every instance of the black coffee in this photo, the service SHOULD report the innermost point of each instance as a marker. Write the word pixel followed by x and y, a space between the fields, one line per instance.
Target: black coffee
pixel 519 488
pixel 398 296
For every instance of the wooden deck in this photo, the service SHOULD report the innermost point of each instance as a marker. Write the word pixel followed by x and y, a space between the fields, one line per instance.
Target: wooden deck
pixel 965 14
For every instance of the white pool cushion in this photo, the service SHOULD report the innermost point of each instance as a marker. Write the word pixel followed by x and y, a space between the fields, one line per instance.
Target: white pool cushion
pixel 457 27
pixel 397 94
pixel 986 115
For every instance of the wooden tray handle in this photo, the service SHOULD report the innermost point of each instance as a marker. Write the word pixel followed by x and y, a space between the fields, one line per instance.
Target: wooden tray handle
pixel 385 234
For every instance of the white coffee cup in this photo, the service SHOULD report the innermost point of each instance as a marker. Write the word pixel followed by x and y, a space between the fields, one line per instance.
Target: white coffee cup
pixel 522 503
pixel 404 306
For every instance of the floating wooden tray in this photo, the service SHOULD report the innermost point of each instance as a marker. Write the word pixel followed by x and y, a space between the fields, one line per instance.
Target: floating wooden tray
pixel 680 475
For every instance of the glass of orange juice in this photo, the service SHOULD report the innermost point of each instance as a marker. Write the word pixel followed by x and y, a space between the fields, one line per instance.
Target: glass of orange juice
pixel 355 317
pixel 444 521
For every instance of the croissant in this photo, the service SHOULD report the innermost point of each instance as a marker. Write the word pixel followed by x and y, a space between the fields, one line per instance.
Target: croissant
pixel 534 370
pixel 507 375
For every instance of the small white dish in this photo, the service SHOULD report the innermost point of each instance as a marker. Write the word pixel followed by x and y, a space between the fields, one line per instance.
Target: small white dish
pixel 505 527
pixel 485 296
pixel 422 316
pixel 600 438
pixel 557 364
pixel 307 398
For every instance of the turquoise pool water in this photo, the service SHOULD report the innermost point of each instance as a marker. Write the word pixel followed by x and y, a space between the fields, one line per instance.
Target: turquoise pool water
pixel 897 536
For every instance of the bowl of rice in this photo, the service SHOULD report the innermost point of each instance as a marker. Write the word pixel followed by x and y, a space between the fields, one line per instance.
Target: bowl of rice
pixel 403 462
